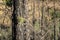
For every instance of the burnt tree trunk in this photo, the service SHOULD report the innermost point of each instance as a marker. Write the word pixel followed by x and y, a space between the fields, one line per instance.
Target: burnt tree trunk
pixel 17 29
pixel 14 21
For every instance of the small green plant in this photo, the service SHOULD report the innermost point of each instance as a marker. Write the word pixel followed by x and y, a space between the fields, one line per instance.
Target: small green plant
pixel 21 19
pixel 37 26
pixel 58 14
pixel 8 2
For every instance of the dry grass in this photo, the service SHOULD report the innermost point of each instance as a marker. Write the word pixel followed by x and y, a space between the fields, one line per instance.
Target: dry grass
pixel 5 15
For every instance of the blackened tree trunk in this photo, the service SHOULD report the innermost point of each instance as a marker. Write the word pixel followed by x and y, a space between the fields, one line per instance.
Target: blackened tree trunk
pixel 14 20
pixel 18 32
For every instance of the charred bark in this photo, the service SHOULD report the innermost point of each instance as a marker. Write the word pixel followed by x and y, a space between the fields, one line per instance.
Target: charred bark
pixel 14 20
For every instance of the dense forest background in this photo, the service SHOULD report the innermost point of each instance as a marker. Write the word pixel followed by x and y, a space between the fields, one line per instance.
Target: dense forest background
pixel 36 19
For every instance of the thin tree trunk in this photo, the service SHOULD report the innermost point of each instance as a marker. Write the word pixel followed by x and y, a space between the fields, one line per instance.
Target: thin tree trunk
pixel 18 31
pixel 14 21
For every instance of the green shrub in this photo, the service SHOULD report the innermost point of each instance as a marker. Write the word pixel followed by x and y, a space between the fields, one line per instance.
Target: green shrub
pixel 58 14
pixel 9 3
pixel 54 14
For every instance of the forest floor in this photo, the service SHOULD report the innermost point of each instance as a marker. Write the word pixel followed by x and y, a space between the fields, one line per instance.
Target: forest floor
pixel 3 10
pixel 5 14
